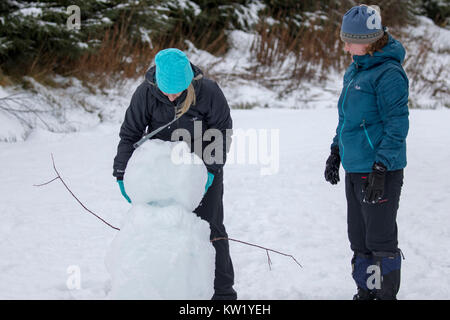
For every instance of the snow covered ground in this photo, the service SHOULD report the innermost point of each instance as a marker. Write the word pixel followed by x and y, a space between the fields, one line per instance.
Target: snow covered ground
pixel 47 238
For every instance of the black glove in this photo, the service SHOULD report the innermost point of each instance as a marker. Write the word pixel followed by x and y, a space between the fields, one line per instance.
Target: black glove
pixel 332 166
pixel 373 189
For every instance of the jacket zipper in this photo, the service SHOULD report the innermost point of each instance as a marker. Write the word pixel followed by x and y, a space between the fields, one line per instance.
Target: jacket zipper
pixel 363 124
pixel 343 124
pixel 176 108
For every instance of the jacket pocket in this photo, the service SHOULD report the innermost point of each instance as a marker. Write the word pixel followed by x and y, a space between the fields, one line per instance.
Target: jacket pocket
pixel 363 125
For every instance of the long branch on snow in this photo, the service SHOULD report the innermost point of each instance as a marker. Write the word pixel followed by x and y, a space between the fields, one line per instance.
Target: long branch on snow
pixel 58 177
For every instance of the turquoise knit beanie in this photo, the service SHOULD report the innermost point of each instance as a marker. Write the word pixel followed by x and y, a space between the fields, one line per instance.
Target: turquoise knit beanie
pixel 362 24
pixel 173 71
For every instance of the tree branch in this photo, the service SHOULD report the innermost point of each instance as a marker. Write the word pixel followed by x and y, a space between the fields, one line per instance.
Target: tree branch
pixel 73 195
pixel 58 177
pixel 261 247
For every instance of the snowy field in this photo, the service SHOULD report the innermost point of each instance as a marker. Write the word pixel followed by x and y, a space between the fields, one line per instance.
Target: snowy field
pixel 45 234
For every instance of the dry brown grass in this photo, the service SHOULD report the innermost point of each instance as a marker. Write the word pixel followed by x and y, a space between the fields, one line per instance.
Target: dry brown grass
pixel 118 57
pixel 316 47
pixel 312 45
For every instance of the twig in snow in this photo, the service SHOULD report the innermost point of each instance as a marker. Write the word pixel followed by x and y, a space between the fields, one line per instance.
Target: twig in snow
pixel 65 185
pixel 58 176
pixel 255 245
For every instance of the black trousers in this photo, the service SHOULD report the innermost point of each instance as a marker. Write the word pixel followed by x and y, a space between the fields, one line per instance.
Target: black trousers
pixel 372 231
pixel 211 210
pixel 373 227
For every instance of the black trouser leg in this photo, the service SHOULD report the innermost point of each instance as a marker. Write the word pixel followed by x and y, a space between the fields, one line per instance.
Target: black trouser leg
pixel 211 210
pixel 356 227
pixel 389 265
pixel 356 221
pixel 372 230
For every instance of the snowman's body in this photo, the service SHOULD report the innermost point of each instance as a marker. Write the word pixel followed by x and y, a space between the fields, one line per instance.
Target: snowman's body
pixel 162 250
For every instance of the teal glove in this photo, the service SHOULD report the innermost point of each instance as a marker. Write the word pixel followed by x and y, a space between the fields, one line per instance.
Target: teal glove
pixel 209 181
pixel 122 189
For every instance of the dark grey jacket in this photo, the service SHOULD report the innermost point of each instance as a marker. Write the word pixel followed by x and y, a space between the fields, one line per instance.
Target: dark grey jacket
pixel 150 109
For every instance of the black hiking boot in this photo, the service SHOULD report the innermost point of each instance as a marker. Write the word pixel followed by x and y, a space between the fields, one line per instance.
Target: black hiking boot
pixel 364 295
pixel 231 295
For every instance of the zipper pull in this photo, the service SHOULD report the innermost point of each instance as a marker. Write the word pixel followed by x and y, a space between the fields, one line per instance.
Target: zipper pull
pixel 363 124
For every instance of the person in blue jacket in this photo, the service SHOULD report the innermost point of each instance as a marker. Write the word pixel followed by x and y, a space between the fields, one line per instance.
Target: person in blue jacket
pixel 370 142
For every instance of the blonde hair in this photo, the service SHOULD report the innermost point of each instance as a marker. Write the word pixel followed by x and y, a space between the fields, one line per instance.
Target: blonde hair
pixel 190 98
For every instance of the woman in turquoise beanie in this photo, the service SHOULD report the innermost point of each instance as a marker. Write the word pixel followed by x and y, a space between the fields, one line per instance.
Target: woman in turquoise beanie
pixel 175 90
pixel 370 142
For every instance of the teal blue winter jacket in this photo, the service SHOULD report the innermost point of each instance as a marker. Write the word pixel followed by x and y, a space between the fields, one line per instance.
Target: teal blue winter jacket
pixel 373 111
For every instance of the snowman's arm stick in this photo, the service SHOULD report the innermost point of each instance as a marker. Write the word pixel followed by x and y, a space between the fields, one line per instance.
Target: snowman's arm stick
pixel 264 248
pixel 58 176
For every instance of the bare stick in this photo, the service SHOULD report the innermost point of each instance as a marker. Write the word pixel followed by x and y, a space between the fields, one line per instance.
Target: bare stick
pixel 264 248
pixel 43 184
pixel 65 185
pixel 269 261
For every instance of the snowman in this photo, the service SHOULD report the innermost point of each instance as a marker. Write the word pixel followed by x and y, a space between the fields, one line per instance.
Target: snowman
pixel 162 250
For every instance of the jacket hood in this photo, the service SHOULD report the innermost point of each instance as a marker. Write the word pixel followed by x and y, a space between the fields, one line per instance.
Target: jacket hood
pixel 392 51
pixel 150 79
